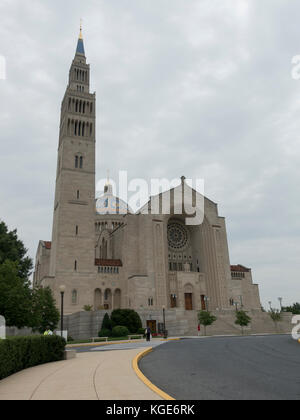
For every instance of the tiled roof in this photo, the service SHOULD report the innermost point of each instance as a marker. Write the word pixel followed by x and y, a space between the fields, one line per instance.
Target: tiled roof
pixel 240 268
pixel 108 263
pixel 47 244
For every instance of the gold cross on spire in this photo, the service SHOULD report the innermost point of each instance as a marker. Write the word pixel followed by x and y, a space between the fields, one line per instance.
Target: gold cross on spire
pixel 80 34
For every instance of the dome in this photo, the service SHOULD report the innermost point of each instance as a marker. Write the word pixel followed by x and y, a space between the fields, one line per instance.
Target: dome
pixel 107 203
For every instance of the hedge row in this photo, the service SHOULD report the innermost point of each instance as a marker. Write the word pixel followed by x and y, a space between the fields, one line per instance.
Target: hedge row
pixel 20 353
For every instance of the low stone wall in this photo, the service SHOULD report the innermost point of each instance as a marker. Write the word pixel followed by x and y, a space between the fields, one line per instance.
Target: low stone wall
pixel 16 332
pixel 84 325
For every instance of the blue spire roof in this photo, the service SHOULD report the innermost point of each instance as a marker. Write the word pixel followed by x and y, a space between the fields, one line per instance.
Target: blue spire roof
pixel 80 47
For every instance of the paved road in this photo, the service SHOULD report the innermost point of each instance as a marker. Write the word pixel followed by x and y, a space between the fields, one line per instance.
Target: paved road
pixel 236 368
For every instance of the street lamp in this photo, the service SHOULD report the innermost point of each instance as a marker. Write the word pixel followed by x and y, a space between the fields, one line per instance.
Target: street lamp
pixel 164 318
pixel 62 292
pixel 280 302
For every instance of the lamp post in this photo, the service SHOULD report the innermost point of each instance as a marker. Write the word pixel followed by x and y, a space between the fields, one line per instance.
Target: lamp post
pixel 206 299
pixel 164 318
pixel 280 302
pixel 62 292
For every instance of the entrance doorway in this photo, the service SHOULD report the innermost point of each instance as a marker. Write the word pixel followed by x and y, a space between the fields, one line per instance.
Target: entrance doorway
pixel 152 325
pixel 203 304
pixel 173 301
pixel 188 301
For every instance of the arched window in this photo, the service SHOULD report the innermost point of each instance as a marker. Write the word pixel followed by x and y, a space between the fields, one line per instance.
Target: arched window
pixel 76 161
pixel 75 265
pixel 83 129
pixel 79 129
pixel 81 162
pixel 75 130
pixel 74 297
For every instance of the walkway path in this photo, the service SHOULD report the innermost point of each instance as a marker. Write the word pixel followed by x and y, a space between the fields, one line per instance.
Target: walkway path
pixel 96 375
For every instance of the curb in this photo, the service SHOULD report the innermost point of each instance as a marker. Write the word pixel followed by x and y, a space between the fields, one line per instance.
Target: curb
pixel 142 377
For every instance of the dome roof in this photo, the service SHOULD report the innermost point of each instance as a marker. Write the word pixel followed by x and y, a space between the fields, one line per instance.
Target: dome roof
pixel 107 203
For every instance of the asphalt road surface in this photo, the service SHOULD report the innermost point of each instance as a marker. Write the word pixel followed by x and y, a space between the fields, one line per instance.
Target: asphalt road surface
pixel 227 368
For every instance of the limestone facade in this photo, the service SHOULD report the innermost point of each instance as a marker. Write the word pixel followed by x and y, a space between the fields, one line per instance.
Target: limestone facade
pixel 135 260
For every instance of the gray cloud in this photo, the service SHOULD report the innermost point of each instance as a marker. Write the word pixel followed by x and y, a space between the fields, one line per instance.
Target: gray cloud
pixel 196 88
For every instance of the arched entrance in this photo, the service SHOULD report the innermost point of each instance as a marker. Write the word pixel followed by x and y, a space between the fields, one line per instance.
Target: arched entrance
pixel 107 299
pixel 117 299
pixel 97 300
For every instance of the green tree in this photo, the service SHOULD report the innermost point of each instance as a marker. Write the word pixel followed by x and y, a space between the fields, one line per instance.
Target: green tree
pixel 106 323
pixel 45 315
pixel 126 318
pixel 15 296
pixel 275 315
pixel 294 309
pixel 13 249
pixel 206 319
pixel 242 319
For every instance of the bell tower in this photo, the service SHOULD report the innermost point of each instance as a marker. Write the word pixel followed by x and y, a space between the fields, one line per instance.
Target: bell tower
pixel 73 236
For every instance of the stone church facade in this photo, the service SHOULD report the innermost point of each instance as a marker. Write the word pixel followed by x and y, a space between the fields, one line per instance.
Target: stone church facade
pixel 120 259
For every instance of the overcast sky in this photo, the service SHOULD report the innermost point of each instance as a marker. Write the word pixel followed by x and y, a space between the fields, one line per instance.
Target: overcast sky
pixel 200 88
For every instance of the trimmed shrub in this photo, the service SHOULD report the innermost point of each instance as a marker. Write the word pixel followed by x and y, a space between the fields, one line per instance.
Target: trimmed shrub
pixel 126 318
pixel 20 353
pixel 104 333
pixel 120 331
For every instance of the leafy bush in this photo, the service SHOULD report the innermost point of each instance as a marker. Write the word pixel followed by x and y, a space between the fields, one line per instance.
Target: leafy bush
pixel 88 308
pixel 126 318
pixel 120 331
pixel 141 331
pixel 105 333
pixel 20 353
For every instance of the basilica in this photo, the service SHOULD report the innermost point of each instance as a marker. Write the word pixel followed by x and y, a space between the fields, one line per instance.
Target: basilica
pixel 109 257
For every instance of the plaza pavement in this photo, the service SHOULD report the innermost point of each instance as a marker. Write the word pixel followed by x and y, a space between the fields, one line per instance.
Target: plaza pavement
pixel 93 375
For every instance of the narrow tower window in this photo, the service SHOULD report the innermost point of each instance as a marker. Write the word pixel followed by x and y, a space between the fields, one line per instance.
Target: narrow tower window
pixel 76 161
pixel 74 297
pixel 75 265
pixel 81 162
pixel 77 230
pixel 78 195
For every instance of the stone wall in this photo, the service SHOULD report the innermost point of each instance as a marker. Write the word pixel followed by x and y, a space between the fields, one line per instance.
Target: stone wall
pixel 84 325
pixel 16 332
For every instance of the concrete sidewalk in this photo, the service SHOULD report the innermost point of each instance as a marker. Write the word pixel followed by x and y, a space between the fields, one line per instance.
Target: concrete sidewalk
pixel 91 376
